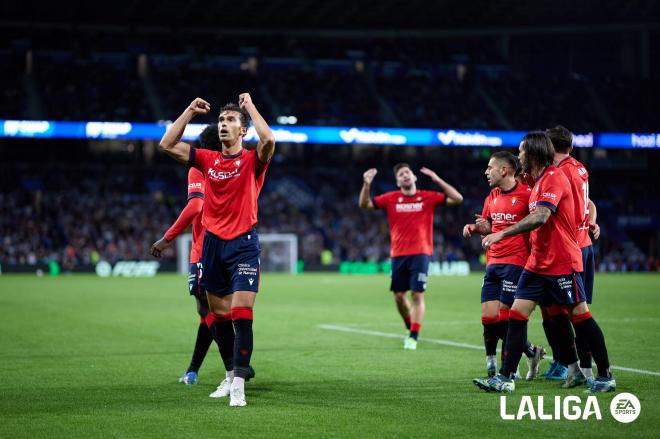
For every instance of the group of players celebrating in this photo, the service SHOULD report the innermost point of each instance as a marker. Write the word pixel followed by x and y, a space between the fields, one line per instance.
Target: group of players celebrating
pixel 535 226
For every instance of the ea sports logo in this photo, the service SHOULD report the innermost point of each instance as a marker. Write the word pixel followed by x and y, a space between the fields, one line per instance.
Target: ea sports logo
pixel 625 407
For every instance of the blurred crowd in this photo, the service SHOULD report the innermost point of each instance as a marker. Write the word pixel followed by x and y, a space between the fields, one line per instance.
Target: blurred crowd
pixel 78 215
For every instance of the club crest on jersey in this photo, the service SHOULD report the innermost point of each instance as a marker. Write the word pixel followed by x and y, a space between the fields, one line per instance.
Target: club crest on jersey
pixel 238 163
pixel 400 200
pixel 419 198
pixel 514 200
pixel 215 163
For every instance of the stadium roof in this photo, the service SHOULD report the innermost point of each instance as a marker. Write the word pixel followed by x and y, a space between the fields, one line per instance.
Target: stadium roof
pixel 332 14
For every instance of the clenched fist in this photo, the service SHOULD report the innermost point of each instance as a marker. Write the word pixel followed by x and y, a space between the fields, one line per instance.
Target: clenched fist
pixel 244 100
pixel 199 106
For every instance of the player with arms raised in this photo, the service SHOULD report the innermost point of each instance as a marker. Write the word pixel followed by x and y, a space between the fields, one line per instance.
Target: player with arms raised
pixel 410 214
pixel 230 254
pixel 506 204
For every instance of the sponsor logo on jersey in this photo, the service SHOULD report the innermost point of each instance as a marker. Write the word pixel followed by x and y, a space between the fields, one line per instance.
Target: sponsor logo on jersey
pixel 501 216
pixel 222 175
pixel 195 186
pixel 549 195
pixel 409 207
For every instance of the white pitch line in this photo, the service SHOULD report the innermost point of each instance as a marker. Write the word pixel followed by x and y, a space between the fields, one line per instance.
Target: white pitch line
pixel 451 343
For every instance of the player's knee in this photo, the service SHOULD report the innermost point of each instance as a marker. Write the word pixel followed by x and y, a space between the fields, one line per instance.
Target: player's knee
pixel 400 297
pixel 578 309
pixel 417 297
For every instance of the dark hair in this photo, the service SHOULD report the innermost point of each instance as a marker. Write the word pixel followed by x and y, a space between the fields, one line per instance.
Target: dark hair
pixel 510 160
pixel 538 148
pixel 399 166
pixel 245 117
pixel 209 138
pixel 561 138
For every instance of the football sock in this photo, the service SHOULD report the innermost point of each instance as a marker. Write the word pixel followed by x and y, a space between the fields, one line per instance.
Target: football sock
pixel 586 327
pixel 504 328
pixel 566 352
pixel 414 330
pixel 242 319
pixel 223 334
pixel 491 333
pixel 515 343
pixel 202 343
pixel 584 354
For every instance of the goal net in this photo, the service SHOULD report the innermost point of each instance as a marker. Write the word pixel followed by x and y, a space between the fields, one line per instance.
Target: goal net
pixel 279 252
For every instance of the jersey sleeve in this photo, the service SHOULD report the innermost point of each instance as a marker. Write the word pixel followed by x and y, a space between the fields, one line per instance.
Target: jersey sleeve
pixel 381 201
pixel 485 212
pixel 195 184
pixel 551 190
pixel 259 166
pixel 200 159
pixel 439 198
pixel 186 217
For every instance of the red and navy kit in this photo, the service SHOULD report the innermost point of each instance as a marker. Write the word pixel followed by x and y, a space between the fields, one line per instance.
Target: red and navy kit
pixel 555 249
pixel 505 260
pixel 233 184
pixel 192 214
pixel 230 254
pixel 503 209
pixel 411 220
pixel 578 175
pixel 552 271
pixel 411 235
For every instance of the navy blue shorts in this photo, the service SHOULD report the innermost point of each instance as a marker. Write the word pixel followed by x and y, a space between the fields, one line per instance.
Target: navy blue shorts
pixel 589 267
pixel 547 290
pixel 194 273
pixel 500 283
pixel 230 266
pixel 409 273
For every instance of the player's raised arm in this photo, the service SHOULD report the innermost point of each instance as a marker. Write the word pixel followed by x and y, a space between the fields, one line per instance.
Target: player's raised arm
pixel 171 142
pixel 453 196
pixel 365 198
pixel 266 145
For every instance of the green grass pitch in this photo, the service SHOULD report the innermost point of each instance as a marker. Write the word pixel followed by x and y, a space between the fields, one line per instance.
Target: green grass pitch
pixel 90 357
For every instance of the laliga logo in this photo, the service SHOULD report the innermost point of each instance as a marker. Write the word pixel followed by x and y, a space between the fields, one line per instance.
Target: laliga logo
pixel 625 408
pixel 570 408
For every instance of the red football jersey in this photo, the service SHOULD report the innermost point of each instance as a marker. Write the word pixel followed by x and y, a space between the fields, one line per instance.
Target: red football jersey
pixel 503 209
pixel 579 177
pixel 555 250
pixel 232 186
pixel 411 220
pixel 196 190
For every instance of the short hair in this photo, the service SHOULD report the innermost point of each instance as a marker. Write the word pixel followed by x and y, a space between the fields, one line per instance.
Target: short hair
pixel 245 116
pixel 209 137
pixel 510 160
pixel 561 138
pixel 538 148
pixel 399 166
